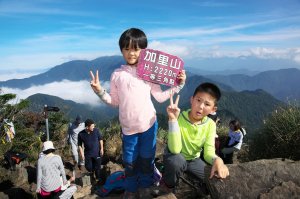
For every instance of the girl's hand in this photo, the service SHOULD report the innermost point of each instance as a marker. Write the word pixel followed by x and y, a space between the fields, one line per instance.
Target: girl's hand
pixel 181 77
pixel 95 83
pixel 173 110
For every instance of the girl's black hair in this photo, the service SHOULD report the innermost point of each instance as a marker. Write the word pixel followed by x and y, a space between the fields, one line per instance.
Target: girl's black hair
pixel 236 124
pixel 48 151
pixel 134 37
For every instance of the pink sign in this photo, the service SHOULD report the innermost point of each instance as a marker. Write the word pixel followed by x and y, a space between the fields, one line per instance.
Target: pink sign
pixel 159 67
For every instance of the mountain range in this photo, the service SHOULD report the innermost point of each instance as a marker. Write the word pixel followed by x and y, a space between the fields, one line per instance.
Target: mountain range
pixel 282 84
pixel 243 96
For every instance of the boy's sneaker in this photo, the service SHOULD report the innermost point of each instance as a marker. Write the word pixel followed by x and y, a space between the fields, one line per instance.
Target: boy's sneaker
pixel 129 195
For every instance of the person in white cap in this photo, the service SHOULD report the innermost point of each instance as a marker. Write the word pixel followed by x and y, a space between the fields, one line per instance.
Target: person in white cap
pixel 50 169
pixel 73 131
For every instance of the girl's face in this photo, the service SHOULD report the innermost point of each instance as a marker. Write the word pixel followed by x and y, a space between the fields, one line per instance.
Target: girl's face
pixel 131 55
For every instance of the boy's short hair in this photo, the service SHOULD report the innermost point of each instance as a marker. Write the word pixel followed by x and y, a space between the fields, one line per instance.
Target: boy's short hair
pixel 209 88
pixel 134 37
pixel 89 122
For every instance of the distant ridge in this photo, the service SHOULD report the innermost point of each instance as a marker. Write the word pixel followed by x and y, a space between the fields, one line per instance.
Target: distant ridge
pixel 73 71
pixel 282 84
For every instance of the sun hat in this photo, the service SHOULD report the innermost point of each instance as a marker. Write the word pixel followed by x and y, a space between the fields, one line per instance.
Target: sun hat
pixel 48 145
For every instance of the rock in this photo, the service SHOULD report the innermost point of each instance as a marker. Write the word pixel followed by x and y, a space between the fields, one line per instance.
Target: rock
pixel 251 179
pixel 17 177
pixel 3 196
pixel 111 167
pixel 285 190
pixel 167 196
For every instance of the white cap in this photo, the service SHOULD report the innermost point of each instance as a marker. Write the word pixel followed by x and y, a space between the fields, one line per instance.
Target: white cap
pixel 48 145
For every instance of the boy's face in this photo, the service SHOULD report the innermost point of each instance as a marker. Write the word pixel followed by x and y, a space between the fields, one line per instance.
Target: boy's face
pixel 202 104
pixel 90 128
pixel 131 55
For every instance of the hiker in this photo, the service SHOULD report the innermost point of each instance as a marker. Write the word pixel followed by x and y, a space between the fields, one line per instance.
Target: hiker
pixel 235 141
pixel 73 130
pixel 50 170
pixel 189 133
pixel 137 114
pixel 91 139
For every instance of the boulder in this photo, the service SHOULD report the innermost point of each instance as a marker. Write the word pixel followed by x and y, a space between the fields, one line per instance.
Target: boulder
pixel 261 178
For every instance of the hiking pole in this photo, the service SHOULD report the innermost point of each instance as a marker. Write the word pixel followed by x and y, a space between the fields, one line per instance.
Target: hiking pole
pixel 46 109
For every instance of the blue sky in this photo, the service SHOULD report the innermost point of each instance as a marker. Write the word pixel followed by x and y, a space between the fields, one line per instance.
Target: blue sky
pixel 39 34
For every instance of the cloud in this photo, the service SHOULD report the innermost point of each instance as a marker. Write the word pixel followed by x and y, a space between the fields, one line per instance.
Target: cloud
pixel 13 7
pixel 46 60
pixel 273 53
pixel 79 92
pixel 6 75
pixel 170 47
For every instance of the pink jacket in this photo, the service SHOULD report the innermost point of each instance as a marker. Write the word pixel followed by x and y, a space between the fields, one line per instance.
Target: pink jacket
pixel 133 96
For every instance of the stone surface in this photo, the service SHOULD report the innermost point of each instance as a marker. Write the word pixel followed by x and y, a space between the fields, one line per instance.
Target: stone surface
pixel 251 179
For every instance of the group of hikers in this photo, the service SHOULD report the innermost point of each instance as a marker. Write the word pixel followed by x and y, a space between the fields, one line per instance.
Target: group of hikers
pixel 190 132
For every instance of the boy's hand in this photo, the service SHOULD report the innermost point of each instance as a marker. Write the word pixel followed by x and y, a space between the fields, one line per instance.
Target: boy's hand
pixel 173 110
pixel 219 169
pixel 181 77
pixel 95 83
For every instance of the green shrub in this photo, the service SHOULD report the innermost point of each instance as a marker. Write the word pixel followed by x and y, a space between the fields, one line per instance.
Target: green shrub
pixel 279 137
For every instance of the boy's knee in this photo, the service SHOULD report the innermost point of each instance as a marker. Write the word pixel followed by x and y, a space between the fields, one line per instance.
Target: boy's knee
pixel 174 161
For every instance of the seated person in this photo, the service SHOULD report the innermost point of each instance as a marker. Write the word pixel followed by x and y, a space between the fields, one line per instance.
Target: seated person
pixel 235 140
pixel 189 133
pixel 50 169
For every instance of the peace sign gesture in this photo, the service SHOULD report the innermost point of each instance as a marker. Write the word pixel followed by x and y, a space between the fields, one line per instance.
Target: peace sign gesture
pixel 173 110
pixel 95 83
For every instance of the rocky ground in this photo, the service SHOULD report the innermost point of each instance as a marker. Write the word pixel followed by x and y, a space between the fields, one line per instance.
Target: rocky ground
pixel 265 179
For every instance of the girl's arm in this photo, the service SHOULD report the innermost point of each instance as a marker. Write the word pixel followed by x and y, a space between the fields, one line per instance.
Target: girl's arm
pixel 111 99
pixel 162 96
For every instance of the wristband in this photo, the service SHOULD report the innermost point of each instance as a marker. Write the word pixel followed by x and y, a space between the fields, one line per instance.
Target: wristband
pixel 101 93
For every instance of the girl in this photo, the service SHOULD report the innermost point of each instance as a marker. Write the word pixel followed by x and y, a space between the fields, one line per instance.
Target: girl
pixel 136 111
pixel 235 139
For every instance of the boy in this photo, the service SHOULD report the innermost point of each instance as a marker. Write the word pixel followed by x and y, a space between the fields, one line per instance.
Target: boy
pixel 93 148
pixel 189 133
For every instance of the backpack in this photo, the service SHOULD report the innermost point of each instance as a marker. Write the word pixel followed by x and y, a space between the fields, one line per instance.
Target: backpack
pixel 13 158
pixel 113 182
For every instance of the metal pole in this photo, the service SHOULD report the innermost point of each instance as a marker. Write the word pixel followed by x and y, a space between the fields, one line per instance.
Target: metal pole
pixel 47 124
